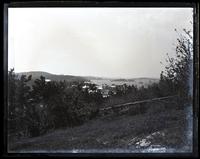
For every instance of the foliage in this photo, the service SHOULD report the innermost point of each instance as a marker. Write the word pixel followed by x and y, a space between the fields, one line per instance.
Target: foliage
pixel 48 105
pixel 175 79
pixel 52 105
pixel 18 95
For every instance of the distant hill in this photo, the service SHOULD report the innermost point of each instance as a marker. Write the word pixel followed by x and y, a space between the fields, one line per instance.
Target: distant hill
pixel 93 78
pixel 96 80
pixel 35 74
pixel 134 81
pixel 52 77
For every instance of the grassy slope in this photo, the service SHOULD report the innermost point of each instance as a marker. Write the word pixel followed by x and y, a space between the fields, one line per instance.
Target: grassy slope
pixel 119 131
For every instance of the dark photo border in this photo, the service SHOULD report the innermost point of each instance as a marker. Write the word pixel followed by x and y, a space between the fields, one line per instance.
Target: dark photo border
pixel 24 4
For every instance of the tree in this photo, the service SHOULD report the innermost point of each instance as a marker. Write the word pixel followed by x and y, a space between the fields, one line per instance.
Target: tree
pixel 45 98
pixel 11 100
pixel 177 74
pixel 18 95
pixel 57 105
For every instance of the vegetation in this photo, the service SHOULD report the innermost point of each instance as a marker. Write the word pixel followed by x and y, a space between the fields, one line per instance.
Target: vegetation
pixel 47 105
pixel 176 77
pixel 50 105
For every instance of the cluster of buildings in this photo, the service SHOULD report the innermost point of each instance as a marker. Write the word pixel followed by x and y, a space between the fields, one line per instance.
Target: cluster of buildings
pixel 104 89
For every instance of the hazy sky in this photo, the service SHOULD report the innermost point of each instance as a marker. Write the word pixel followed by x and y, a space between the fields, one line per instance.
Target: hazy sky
pixel 108 42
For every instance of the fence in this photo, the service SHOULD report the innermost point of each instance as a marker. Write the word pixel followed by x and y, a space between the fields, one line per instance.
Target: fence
pixel 126 106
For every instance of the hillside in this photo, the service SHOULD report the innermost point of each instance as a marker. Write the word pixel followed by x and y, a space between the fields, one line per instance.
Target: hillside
pixel 158 130
pixel 134 81
pixel 96 80
pixel 53 77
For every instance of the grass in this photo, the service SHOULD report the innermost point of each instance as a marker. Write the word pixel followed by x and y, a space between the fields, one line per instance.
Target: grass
pixel 114 131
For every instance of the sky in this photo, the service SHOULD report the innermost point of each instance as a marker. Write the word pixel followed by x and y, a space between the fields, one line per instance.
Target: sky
pixel 103 42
